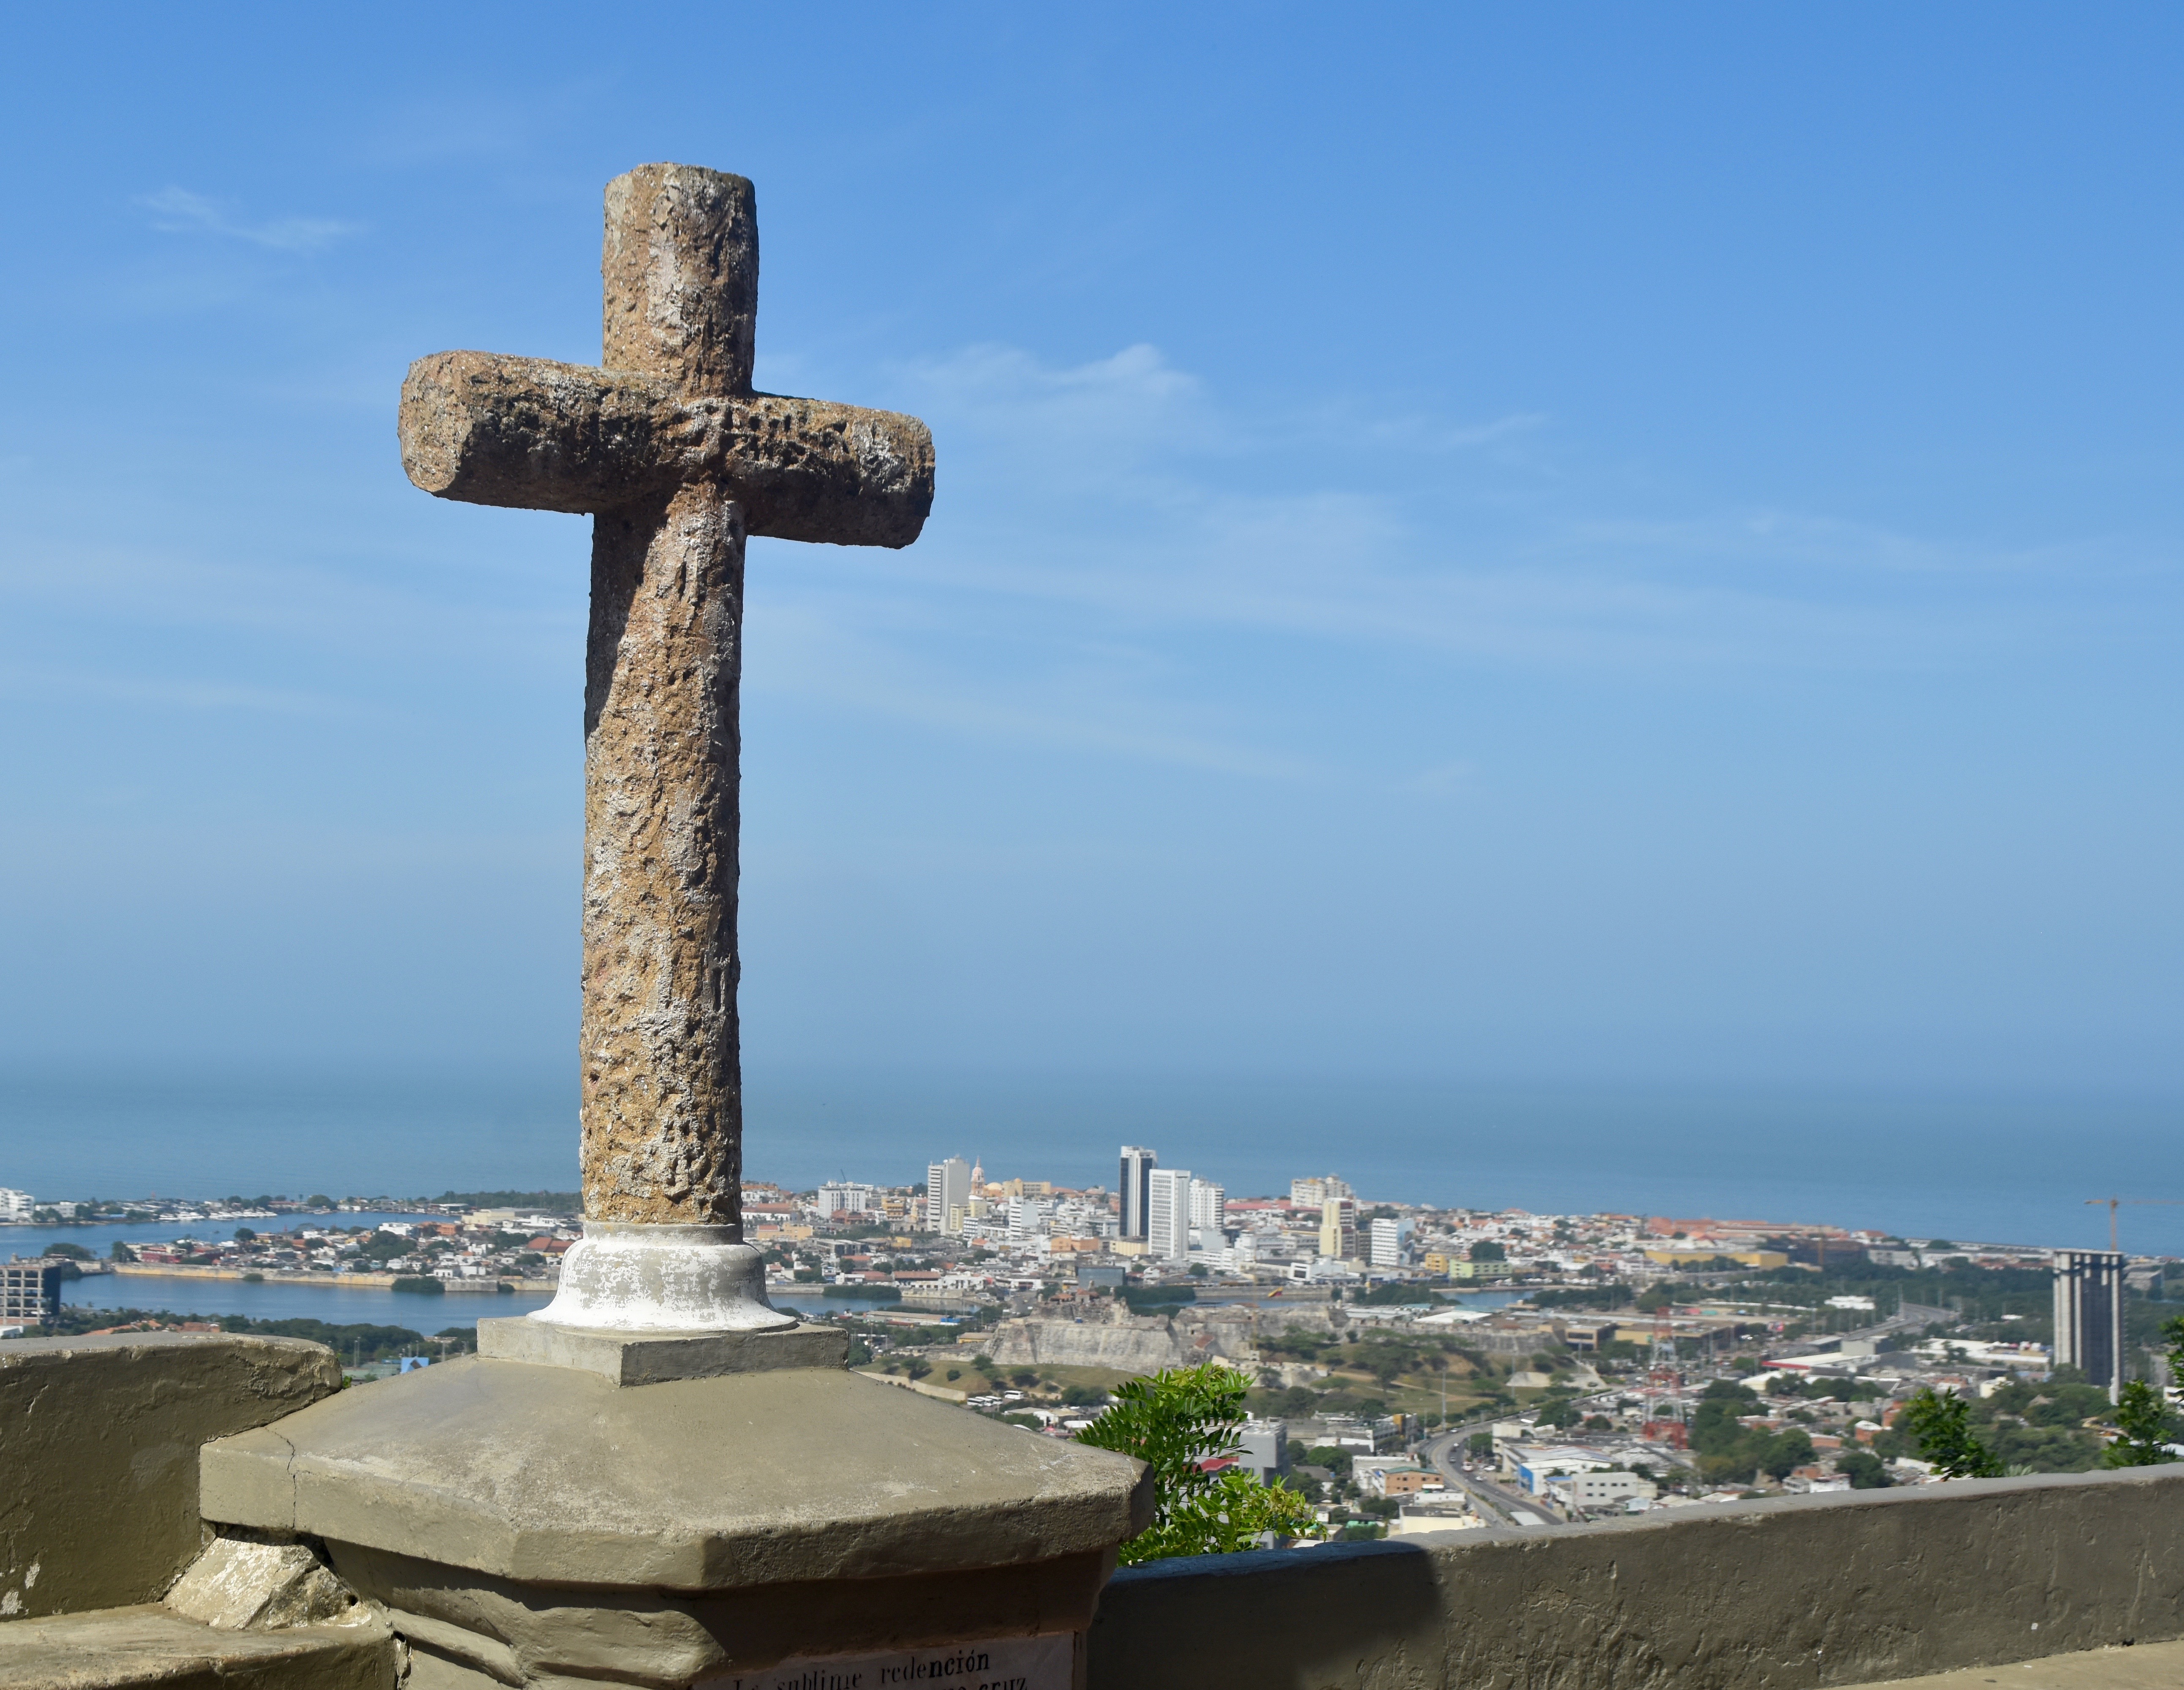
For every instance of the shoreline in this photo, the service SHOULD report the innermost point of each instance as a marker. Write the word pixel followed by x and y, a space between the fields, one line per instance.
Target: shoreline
pixel 373 1282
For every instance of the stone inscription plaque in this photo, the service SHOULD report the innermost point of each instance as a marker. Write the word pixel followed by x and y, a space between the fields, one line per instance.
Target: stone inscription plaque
pixel 995 1664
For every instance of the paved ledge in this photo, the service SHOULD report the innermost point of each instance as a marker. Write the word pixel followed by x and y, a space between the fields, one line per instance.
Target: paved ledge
pixel 151 1645
pixel 2155 1666
pixel 1794 1594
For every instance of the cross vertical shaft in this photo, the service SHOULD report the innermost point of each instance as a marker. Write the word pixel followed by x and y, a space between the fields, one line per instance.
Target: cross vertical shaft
pixel 661 1074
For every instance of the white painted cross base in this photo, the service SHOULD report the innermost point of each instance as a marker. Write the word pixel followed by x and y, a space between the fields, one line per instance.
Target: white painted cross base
pixel 624 1276
pixel 1046 1663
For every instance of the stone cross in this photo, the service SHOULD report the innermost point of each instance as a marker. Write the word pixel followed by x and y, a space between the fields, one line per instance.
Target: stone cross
pixel 678 460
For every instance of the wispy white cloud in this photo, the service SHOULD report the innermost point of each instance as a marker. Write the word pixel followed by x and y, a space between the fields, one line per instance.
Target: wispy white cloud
pixel 168 693
pixel 837 654
pixel 177 211
pixel 1123 485
pixel 1118 554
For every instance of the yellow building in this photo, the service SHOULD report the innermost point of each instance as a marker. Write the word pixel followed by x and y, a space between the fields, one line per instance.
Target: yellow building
pixel 1338 1228
pixel 1687 1258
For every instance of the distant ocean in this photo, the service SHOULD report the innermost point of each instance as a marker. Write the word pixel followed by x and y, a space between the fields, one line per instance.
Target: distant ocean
pixel 2001 1169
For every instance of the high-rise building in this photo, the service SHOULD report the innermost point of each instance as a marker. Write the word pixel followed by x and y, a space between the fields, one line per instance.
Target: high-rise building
pixel 1138 1166
pixel 1388 1236
pixel 1312 1193
pixel 947 1188
pixel 1263 1447
pixel 1338 1229
pixel 1167 1214
pixel 2089 1315
pixel 1208 1201
pixel 31 1290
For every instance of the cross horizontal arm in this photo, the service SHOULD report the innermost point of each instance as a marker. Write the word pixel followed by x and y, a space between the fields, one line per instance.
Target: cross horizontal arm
pixel 535 434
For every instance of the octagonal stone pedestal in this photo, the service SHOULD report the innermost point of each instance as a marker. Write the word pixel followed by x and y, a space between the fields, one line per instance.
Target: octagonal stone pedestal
pixel 532 1524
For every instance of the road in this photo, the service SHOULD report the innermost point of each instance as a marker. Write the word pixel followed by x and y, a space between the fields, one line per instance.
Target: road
pixel 1494 1500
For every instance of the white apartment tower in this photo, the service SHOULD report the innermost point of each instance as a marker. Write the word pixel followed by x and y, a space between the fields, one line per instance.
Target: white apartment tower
pixel 947 1194
pixel 1167 1214
pixel 1208 1202
pixel 1138 1166
pixel 1388 1236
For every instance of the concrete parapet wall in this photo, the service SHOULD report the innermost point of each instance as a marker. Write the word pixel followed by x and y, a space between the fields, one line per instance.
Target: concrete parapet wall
pixel 1787 1594
pixel 99 1454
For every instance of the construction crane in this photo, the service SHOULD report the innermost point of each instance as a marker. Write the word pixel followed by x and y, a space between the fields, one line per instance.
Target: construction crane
pixel 1664 1388
pixel 2113 1202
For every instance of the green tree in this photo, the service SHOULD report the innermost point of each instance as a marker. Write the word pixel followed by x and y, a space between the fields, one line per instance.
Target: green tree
pixel 1335 1459
pixel 1175 1422
pixel 1786 1452
pixel 1486 1250
pixel 1863 1469
pixel 2142 1420
pixel 2142 1416
pixel 1942 1426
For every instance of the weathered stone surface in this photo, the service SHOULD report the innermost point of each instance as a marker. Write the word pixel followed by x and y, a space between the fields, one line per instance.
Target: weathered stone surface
pixel 661 1079
pixel 652 1358
pixel 680 265
pixel 99 1454
pixel 151 1645
pixel 1792 1594
pixel 554 1476
pixel 238 1582
pixel 680 461
pixel 525 1634
pixel 533 435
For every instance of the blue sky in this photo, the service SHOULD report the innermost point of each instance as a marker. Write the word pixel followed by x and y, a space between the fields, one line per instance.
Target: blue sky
pixel 1589 545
